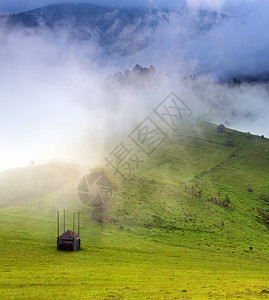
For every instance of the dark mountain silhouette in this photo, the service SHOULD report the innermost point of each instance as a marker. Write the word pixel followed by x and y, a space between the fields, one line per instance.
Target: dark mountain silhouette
pixel 121 30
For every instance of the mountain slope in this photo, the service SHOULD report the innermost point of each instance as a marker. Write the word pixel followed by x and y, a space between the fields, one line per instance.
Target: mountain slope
pixel 193 183
pixel 23 185
pixel 191 223
pixel 196 183
pixel 119 30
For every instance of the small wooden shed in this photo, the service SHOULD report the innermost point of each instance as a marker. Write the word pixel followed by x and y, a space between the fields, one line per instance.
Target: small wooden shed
pixel 68 241
pixel 221 128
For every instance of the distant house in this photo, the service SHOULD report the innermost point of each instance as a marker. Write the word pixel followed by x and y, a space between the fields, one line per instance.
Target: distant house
pixel 221 128
pixel 68 241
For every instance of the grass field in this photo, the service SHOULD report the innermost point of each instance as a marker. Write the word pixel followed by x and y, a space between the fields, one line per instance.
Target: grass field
pixel 124 264
pixel 188 225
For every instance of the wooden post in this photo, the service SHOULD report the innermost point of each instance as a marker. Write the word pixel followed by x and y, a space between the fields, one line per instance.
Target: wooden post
pixel 73 231
pixel 79 223
pixel 73 226
pixel 58 222
pixel 64 220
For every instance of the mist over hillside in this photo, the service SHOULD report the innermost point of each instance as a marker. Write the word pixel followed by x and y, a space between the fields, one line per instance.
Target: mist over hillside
pixel 118 31
pixel 187 39
pixel 57 105
pixel 135 133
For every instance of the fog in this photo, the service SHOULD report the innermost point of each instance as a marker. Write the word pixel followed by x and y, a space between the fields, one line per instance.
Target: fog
pixel 56 105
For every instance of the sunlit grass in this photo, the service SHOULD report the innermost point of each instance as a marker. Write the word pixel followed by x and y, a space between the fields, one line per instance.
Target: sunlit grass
pixel 167 234
pixel 118 264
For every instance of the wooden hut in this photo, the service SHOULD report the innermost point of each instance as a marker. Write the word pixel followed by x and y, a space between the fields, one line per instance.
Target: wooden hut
pixel 69 240
pixel 221 128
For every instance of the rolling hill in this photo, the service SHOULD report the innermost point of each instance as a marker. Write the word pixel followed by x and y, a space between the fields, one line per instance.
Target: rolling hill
pixel 191 222
pixel 195 182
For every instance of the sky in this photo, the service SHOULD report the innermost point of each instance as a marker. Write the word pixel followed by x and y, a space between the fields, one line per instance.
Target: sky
pixel 54 105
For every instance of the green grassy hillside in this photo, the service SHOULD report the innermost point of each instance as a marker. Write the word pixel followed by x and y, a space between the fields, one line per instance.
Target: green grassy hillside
pixel 26 185
pixel 191 223
pixel 196 183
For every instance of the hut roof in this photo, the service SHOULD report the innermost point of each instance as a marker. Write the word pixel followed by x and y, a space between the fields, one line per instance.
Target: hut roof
pixel 69 236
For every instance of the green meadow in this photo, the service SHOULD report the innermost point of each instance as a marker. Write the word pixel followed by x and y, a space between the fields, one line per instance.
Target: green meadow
pixel 191 223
